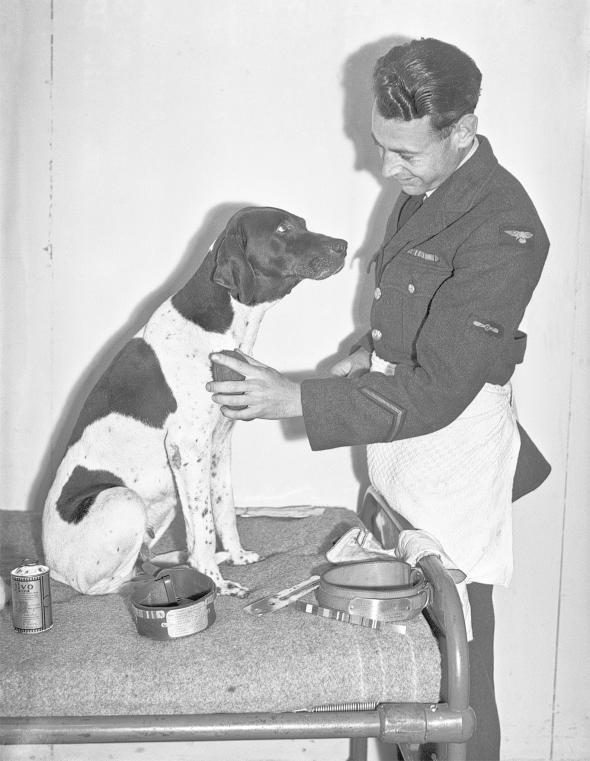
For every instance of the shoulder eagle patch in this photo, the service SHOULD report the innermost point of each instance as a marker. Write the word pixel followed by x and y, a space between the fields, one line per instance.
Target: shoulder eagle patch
pixel 516 235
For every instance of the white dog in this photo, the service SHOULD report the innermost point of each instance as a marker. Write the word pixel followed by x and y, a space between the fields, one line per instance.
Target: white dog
pixel 149 436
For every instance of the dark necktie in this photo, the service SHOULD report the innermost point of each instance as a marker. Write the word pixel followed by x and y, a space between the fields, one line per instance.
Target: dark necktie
pixel 410 207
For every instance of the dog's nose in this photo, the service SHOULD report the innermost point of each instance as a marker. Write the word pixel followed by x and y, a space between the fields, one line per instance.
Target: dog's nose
pixel 339 246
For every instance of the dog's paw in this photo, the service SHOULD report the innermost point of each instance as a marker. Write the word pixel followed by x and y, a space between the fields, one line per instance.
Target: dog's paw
pixel 243 557
pixel 231 589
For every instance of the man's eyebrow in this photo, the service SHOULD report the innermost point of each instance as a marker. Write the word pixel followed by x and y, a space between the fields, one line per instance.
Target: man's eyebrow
pixel 402 150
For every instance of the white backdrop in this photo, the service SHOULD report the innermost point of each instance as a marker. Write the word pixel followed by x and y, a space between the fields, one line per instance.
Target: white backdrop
pixel 131 130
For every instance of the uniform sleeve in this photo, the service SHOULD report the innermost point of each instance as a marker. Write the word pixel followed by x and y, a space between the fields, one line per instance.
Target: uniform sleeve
pixel 470 325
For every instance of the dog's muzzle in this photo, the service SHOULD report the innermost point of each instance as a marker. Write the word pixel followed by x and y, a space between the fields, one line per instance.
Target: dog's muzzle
pixel 177 602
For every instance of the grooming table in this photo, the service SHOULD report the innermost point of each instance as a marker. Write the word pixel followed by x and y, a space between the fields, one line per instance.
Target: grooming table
pixel 287 674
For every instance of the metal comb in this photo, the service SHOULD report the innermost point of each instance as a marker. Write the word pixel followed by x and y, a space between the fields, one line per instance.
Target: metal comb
pixel 283 598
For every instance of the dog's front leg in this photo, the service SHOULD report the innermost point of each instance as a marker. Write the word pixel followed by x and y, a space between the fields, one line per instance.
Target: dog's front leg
pixel 190 463
pixel 222 497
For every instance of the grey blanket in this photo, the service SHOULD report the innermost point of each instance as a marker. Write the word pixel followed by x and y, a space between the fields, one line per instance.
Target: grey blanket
pixel 94 662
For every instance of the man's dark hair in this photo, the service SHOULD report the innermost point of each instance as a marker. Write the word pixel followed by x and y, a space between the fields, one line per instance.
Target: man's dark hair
pixel 426 77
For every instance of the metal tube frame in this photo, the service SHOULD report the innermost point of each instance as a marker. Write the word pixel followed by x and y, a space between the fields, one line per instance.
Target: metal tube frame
pixel 391 722
pixel 447 614
pixel 405 724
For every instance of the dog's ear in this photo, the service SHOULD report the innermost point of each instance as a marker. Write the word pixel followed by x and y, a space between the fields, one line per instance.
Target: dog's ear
pixel 232 269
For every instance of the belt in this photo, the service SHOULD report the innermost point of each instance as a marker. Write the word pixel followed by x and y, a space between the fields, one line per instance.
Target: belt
pixel 515 352
pixel 518 347
pixel 177 602
pixel 380 590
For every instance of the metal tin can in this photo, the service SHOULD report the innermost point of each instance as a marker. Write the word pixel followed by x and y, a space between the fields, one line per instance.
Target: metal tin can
pixel 31 598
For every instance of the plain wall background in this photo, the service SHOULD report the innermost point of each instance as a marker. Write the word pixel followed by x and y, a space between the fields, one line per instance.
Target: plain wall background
pixel 131 130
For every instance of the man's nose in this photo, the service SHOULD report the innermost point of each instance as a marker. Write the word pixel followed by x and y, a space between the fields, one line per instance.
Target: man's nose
pixel 390 165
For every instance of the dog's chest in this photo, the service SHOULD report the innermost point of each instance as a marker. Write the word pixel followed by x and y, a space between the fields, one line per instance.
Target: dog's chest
pixel 246 323
pixel 183 349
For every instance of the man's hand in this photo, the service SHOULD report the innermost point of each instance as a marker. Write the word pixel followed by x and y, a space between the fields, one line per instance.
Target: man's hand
pixel 266 392
pixel 359 361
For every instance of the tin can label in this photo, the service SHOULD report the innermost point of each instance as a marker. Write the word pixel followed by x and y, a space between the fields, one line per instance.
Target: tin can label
pixel 187 620
pixel 31 598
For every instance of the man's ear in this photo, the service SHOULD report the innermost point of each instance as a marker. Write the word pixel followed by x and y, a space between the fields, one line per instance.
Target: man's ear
pixel 232 269
pixel 465 130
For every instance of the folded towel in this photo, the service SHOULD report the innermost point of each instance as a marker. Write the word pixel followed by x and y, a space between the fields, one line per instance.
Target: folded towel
pixel 415 544
pixel 359 544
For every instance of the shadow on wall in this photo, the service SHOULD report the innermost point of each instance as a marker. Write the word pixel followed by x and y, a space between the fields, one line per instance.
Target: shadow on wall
pixel 194 254
pixel 358 99
pixel 357 83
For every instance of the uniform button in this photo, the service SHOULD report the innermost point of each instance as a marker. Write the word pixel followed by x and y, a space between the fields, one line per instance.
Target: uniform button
pixel 376 334
pixel 377 293
pixel 411 287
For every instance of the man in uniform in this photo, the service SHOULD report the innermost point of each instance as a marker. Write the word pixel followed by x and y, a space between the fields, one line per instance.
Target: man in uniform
pixel 428 387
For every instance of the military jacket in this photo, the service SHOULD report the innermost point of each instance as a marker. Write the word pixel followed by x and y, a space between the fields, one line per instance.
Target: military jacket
pixel 451 288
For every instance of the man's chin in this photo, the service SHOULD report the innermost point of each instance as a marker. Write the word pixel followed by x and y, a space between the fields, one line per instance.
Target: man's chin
pixel 412 187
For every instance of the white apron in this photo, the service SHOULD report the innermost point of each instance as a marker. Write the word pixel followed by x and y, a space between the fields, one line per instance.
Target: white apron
pixel 456 483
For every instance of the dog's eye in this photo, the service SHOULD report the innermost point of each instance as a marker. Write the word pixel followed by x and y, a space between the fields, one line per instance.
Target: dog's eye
pixel 283 228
